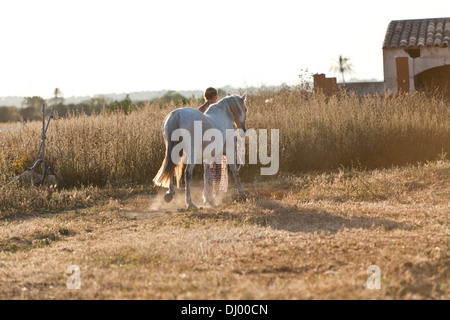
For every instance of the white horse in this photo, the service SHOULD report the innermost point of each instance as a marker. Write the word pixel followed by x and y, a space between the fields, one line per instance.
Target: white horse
pixel 228 113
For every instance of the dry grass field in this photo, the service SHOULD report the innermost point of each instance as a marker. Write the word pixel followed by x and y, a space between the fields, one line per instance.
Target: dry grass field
pixel 362 182
pixel 309 236
pixel 8 126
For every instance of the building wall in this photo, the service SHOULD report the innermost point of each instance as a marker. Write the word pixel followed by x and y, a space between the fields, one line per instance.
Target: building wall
pixel 365 88
pixel 430 57
pixel 435 79
pixel 324 84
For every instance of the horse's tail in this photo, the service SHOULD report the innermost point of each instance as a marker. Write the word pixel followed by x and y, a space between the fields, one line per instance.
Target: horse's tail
pixel 168 167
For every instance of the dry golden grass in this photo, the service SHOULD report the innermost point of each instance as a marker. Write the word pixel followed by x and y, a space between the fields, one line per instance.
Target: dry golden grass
pixel 326 133
pixel 301 236
pixel 100 149
pixel 8 125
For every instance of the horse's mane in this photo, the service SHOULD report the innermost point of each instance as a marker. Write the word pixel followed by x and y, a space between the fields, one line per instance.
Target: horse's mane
pixel 231 105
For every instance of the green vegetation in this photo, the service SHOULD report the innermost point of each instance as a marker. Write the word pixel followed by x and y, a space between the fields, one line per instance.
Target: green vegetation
pixel 31 106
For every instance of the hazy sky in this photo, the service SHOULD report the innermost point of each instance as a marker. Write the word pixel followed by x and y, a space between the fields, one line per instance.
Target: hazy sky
pixel 92 47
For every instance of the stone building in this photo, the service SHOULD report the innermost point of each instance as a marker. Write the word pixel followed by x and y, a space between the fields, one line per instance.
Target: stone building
pixel 416 56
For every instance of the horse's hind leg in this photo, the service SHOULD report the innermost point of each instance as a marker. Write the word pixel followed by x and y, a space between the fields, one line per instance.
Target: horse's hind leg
pixel 170 193
pixel 188 178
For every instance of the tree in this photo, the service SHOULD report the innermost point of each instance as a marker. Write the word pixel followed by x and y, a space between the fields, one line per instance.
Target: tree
pixel 9 114
pixel 170 97
pixel 57 98
pixel 221 93
pixel 33 102
pixel 29 114
pixel 61 110
pixel 31 108
pixel 342 66
pixel 125 105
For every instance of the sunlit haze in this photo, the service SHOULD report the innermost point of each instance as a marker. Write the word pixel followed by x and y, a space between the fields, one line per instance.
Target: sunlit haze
pixel 93 47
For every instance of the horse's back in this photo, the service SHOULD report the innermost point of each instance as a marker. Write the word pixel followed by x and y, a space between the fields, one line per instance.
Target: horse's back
pixel 188 116
pixel 187 111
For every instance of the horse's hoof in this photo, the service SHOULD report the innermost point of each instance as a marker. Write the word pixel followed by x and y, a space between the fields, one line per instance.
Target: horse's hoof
pixel 190 205
pixel 206 202
pixel 168 197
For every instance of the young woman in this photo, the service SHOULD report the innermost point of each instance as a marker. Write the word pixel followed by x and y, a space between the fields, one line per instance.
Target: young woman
pixel 218 181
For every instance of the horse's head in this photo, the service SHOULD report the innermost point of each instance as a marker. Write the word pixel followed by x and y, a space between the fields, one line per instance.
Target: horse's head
pixel 237 111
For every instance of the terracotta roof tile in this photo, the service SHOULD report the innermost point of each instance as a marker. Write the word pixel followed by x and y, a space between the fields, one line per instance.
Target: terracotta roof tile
pixel 418 33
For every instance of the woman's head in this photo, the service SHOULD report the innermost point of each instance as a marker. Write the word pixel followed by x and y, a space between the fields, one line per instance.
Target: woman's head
pixel 211 94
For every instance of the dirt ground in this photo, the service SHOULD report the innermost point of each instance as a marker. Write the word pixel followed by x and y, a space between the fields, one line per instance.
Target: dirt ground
pixel 299 237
